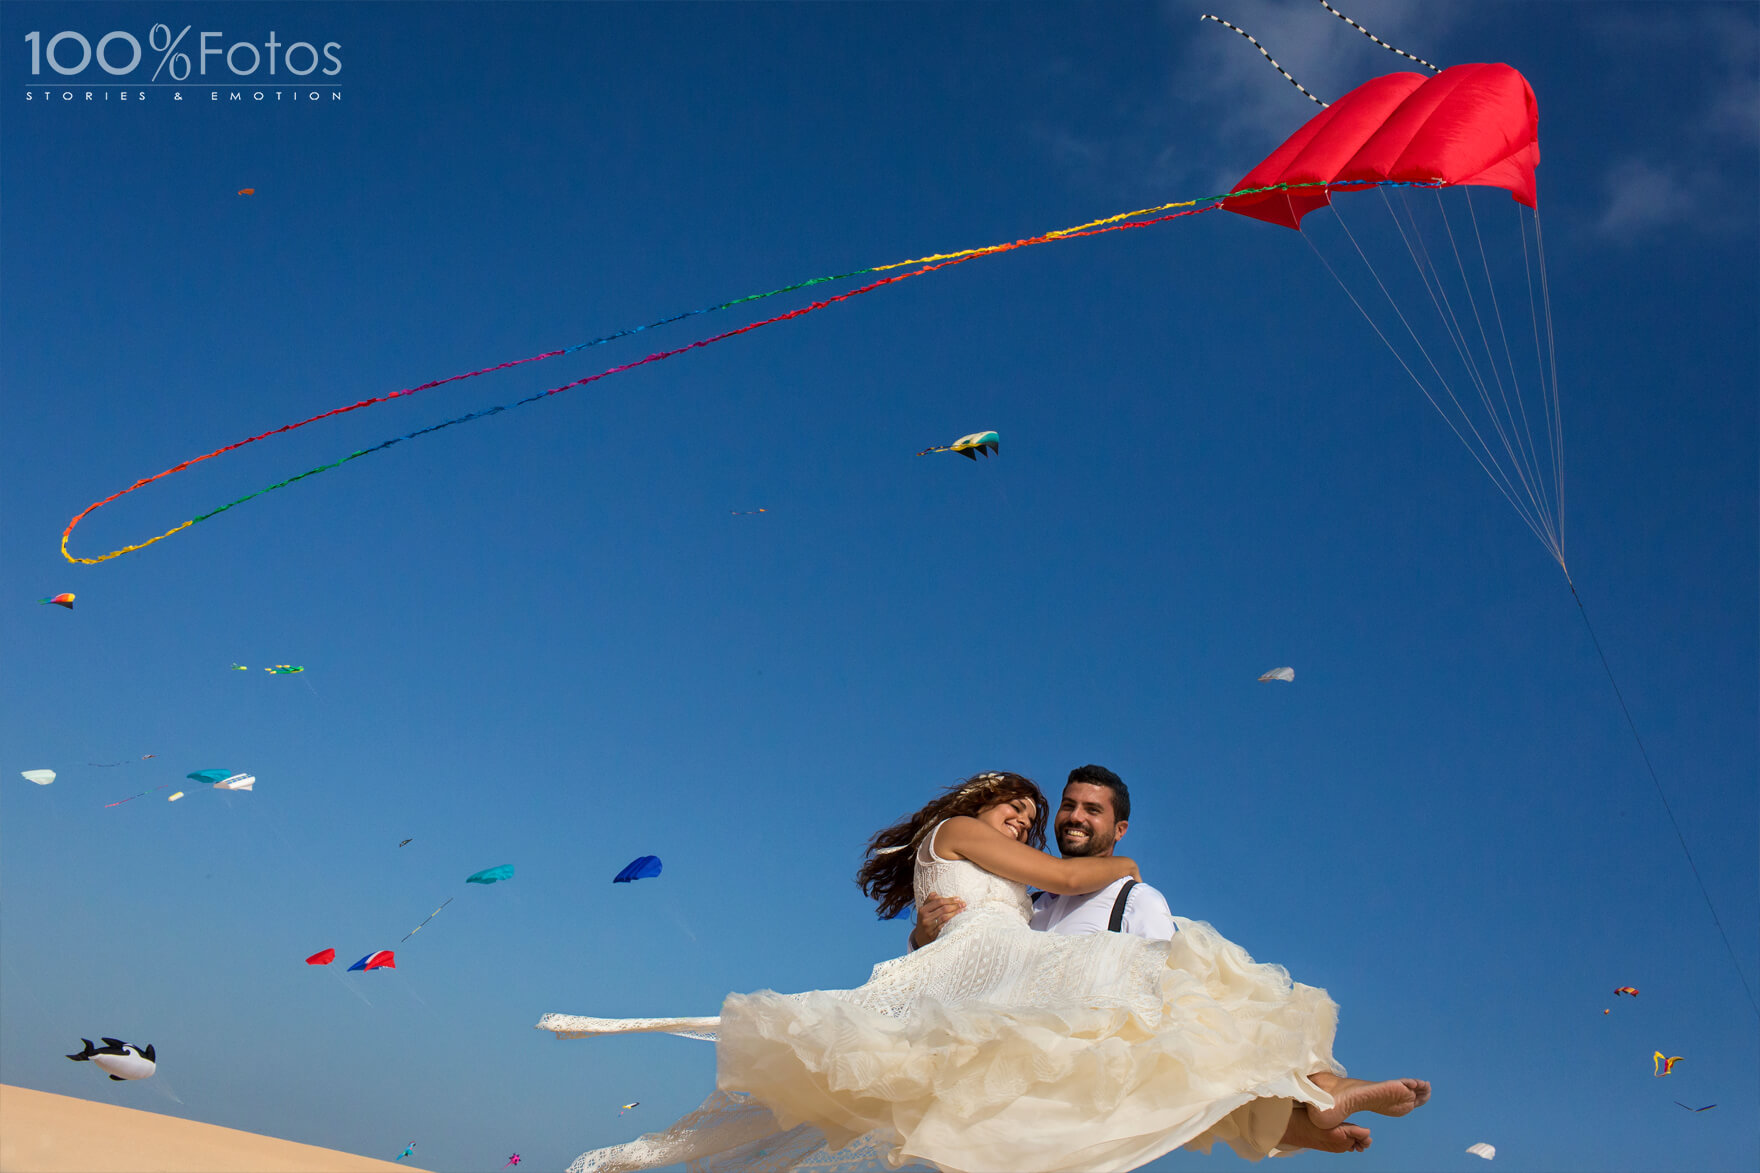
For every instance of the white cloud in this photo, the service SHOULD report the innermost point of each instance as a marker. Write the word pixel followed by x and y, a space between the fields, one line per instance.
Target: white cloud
pixel 1642 197
pixel 1735 108
pixel 1688 177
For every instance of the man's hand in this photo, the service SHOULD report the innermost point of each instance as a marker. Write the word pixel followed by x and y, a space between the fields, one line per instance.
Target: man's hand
pixel 932 915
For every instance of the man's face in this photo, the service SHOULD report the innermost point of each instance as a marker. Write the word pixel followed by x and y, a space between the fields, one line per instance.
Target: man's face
pixel 1085 824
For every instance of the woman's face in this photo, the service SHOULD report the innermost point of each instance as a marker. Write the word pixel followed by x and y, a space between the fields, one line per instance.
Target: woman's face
pixel 1012 816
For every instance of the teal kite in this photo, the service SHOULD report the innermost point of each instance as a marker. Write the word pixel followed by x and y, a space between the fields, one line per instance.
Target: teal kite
pixel 490 875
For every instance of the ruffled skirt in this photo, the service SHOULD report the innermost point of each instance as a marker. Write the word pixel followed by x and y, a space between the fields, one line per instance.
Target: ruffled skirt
pixel 1001 1049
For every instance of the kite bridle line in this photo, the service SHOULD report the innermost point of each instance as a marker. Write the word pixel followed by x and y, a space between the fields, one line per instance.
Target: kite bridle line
pixel 1541 507
pixel 928 264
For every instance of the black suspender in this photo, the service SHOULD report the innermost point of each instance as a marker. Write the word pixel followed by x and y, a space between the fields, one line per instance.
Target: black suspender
pixel 1116 924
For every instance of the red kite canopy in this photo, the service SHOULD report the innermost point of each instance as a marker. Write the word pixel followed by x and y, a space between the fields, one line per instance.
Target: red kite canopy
pixel 1469 124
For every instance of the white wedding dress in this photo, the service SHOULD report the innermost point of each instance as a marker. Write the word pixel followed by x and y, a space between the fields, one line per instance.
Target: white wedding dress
pixel 999 1049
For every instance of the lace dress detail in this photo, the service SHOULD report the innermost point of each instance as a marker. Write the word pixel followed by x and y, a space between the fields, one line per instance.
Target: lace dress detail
pixel 998 1048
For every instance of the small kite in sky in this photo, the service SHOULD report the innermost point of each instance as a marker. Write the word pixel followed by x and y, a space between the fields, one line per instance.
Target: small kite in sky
pixel 406 841
pixel 431 916
pixel 743 512
pixel 513 1160
pixel 1631 990
pixel 237 782
pixel 286 669
pixel 209 777
pixel 1665 1064
pixel 40 777
pixel 382 959
pixel 1482 1150
pixel 643 867
pixel 490 875
pixel 59 600
pixel 628 1106
pixel 1706 1108
pixel 247 191
pixel 970 446
pixel 407 1150
pixel 242 667
pixel 1284 674
pixel 118 1059
pixel 322 957
pixel 175 797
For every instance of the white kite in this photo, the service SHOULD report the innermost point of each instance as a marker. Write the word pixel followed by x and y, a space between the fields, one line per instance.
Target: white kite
pixel 236 782
pixel 1288 674
pixel 1482 1150
pixel 40 777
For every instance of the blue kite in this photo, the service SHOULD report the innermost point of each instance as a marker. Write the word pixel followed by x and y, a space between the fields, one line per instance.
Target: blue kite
pixel 644 867
pixel 490 875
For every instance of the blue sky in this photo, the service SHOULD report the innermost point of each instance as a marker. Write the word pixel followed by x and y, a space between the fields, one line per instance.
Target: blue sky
pixel 546 639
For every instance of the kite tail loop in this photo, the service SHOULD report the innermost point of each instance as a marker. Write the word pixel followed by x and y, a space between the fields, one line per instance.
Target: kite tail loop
pixel 1667 809
pixel 1378 40
pixel 1292 81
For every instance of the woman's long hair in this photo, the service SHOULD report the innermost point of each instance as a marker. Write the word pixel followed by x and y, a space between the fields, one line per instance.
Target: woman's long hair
pixel 890 864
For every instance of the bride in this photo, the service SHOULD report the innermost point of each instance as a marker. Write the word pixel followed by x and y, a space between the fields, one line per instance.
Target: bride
pixel 999 1048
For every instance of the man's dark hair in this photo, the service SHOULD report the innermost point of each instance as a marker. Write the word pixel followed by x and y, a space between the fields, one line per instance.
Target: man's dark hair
pixel 1101 776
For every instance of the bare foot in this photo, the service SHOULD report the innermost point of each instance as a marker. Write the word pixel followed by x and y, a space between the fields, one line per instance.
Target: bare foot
pixel 1389 1097
pixel 1303 1134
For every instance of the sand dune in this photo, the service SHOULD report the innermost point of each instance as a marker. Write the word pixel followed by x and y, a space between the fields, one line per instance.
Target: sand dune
pixel 44 1133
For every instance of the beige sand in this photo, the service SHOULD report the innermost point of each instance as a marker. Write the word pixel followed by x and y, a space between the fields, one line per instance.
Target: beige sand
pixel 44 1133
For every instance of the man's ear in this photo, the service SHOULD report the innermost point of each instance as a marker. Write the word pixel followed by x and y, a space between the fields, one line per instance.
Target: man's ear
pixel 1119 829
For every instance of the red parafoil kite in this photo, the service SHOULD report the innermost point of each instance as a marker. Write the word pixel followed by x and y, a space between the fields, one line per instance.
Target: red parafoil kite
pixel 1467 329
pixel 322 957
pixel 1470 124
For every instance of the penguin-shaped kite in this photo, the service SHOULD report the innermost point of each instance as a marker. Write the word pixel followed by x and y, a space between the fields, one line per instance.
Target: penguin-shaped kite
pixel 122 1060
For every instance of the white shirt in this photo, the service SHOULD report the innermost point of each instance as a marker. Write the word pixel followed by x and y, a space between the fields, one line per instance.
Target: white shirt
pixel 1145 912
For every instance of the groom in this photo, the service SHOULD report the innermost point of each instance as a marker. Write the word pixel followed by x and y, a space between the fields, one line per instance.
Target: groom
pixel 1093 817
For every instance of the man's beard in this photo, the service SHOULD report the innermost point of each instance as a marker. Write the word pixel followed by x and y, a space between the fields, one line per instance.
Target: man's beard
pixel 1092 844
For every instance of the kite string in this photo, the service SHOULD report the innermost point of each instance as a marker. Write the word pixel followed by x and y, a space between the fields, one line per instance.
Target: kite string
pixel 1663 797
